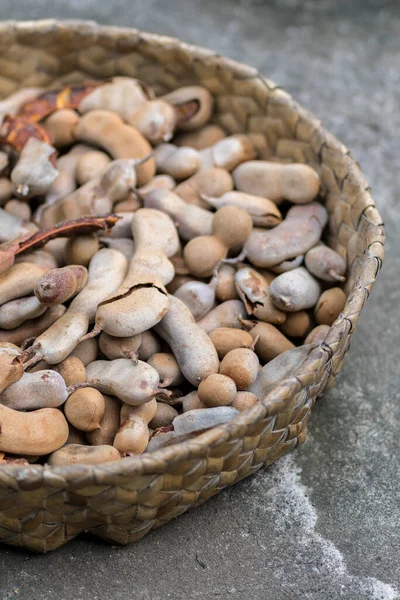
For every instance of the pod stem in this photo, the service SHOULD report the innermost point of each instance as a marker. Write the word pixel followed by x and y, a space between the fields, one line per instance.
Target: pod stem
pixel 78 386
pixel 134 356
pixel 95 332
pixel 34 360
pixel 246 323
pixel 233 261
pixel 332 273
pixel 136 162
pixel 254 344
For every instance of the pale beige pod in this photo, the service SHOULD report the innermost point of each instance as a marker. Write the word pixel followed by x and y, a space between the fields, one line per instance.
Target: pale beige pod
pixel 95 197
pixel 19 209
pixel 120 347
pixel 121 95
pixel 90 165
pixel 228 153
pixel 179 163
pixel 263 212
pixel 60 127
pixel 326 264
pixel 278 369
pixel 206 136
pixel 194 100
pixel 145 411
pixel 155 119
pixel 80 249
pixel 19 280
pixel 34 173
pixel 59 340
pixel 107 130
pixel 209 182
pixel 296 182
pixel 191 220
pixel 168 369
pixel 107 270
pixel 12 227
pixel 317 335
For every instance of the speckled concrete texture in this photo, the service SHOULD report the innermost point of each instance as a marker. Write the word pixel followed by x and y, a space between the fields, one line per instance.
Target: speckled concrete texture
pixel 324 522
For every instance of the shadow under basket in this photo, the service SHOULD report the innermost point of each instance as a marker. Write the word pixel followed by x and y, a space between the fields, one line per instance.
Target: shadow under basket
pixel 42 508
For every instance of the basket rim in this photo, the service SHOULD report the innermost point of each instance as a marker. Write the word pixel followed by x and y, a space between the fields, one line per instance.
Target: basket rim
pixel 276 400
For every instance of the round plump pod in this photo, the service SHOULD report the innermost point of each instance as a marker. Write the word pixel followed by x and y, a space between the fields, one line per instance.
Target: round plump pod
pixel 226 339
pixel 329 306
pixel 72 370
pixel 295 290
pixel 132 437
pixel 241 365
pixel 164 416
pixel 116 347
pixel 76 454
pixel 244 401
pixel 90 165
pixel 85 408
pixel 145 411
pixel 217 390
pixel 79 250
pixel 297 324
pixel 270 342
pixel 199 297
pixel 317 335
pixel 168 369
pixel 325 263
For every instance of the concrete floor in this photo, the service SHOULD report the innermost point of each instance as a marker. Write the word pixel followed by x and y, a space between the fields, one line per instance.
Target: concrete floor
pixel 323 523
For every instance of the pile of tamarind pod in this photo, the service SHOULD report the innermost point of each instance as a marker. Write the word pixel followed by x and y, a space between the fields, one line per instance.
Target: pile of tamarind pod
pixel 156 278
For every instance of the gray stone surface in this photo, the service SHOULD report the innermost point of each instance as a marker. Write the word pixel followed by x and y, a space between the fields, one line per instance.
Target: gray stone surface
pixel 324 522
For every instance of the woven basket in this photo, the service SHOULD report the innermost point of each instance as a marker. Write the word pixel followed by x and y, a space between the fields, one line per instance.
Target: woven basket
pixel 41 508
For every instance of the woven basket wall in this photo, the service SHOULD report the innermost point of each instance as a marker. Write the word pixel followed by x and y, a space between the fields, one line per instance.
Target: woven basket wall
pixel 41 508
